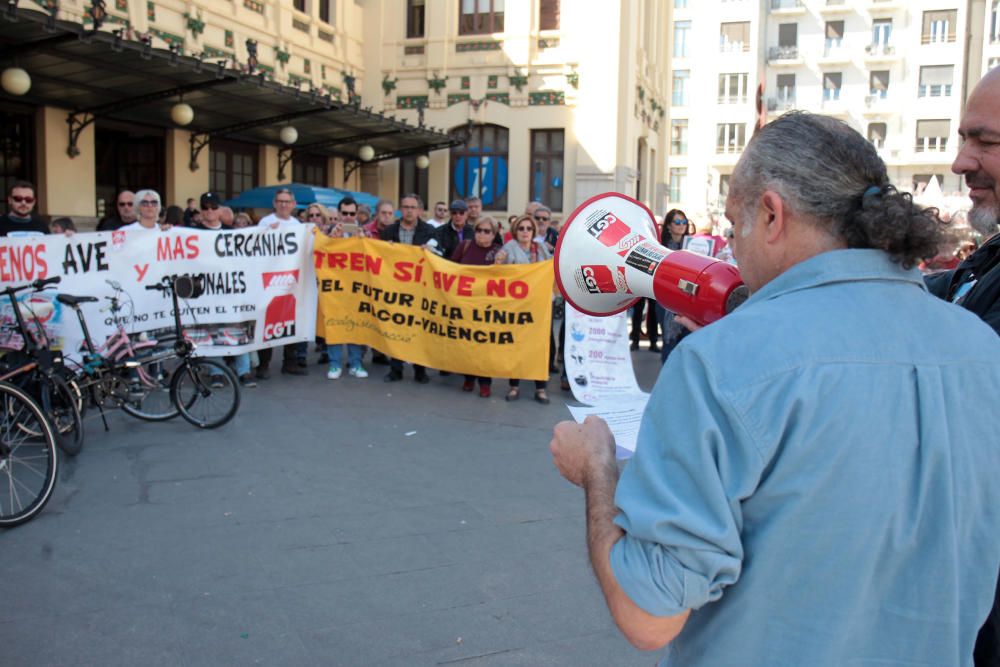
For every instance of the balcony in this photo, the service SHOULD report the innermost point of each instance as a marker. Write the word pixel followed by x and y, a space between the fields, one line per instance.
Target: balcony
pixel 834 7
pixel 878 52
pixel 784 55
pixel 931 145
pixel 734 47
pixel 787 7
pixel 876 105
pixel 835 54
pixel 733 99
pixel 779 105
pixel 834 106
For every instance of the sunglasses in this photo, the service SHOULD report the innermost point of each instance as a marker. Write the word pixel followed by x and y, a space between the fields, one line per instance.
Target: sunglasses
pixel 541 218
pixel 456 212
pixel 149 202
pixel 314 214
pixel 23 200
pixel 481 230
pixel 349 213
pixel 126 203
pixel 525 229
pixel 210 208
pixel 678 222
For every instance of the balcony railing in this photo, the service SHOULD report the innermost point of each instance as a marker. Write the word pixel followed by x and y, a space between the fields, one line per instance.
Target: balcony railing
pixel 931 145
pixel 934 90
pixel 780 103
pixel 879 49
pixel 786 4
pixel 874 99
pixel 732 99
pixel 733 47
pixel 783 53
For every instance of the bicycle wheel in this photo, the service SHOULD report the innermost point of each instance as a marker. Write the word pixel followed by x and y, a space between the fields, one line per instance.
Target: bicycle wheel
pixel 206 392
pixel 27 463
pixel 60 405
pixel 149 396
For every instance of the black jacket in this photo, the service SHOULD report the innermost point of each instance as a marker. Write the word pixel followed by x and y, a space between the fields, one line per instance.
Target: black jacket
pixel 984 297
pixel 421 235
pixel 448 240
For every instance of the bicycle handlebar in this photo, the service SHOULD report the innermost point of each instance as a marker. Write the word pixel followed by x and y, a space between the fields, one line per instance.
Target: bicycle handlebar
pixel 158 287
pixel 36 285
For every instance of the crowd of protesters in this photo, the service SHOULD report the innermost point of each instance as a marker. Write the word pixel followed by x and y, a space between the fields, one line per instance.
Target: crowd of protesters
pixel 459 232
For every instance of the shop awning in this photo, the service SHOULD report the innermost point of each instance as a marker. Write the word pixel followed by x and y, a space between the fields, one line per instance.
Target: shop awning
pixel 103 75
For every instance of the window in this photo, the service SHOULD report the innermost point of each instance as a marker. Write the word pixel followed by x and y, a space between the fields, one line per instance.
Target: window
pixel 881 32
pixel 734 37
pixel 412 179
pixel 939 26
pixel 416 10
pixel 326 11
pixel 733 88
pixel 679 96
pixel 548 15
pixel 128 159
pixel 834 35
pixel 678 136
pixel 731 137
pixel 878 84
pixel 232 167
pixel 993 63
pixel 935 81
pixel 16 149
pixel 682 30
pixel 932 135
pixel 831 86
pixel 309 169
pixel 876 134
pixel 546 186
pixel 678 180
pixel 480 17
pixel 788 34
pixel 995 22
pixel 680 4
pixel 300 5
pixel 786 90
pixel 479 168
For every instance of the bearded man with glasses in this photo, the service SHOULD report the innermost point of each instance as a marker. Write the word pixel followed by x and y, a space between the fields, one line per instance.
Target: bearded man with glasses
pixel 19 220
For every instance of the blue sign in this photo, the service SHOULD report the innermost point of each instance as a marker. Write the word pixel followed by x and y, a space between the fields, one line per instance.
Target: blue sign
pixel 484 177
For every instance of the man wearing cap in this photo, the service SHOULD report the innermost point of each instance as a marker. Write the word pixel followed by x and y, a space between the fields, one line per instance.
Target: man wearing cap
pixel 449 236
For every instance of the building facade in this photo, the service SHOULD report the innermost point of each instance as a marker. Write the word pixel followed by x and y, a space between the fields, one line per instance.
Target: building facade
pixel 897 71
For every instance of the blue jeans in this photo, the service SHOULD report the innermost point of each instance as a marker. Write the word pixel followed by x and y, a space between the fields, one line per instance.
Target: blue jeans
pixel 354 355
pixel 240 364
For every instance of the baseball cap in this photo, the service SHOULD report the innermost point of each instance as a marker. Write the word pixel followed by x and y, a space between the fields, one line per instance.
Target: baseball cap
pixel 458 205
pixel 210 198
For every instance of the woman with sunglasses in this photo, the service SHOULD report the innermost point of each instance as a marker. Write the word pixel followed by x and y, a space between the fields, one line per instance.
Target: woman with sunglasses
pixel 149 212
pixel 524 248
pixel 481 250
pixel 319 215
pixel 676 228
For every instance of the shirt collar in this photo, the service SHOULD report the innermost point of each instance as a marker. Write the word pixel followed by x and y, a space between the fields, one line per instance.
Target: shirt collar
pixel 835 266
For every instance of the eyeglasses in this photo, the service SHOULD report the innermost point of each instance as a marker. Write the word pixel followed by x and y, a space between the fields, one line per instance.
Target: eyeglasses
pixel 525 229
pixel 314 214
pixel 284 201
pixel 482 230
pixel 126 203
pixel 210 208
pixel 349 213
pixel 23 200
pixel 456 212
pixel 149 202
pixel 542 218
pixel 679 222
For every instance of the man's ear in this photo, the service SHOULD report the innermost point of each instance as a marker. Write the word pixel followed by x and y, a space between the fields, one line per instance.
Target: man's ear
pixel 775 214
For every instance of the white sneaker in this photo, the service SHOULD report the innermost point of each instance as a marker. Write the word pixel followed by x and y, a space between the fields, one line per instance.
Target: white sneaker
pixel 358 372
pixel 333 374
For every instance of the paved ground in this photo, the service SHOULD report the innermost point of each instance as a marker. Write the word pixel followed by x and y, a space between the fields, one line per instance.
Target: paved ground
pixel 313 531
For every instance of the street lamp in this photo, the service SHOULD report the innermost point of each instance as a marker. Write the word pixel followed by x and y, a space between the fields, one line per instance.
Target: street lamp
pixel 182 114
pixel 15 81
pixel 289 135
pixel 366 153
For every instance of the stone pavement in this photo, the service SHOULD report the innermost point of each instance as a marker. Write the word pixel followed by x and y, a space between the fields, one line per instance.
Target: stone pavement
pixel 315 529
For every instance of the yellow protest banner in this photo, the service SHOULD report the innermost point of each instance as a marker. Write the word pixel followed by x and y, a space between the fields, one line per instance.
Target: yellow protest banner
pixel 489 321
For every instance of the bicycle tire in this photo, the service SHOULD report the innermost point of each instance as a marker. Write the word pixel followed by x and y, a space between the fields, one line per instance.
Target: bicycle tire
pixel 28 465
pixel 198 401
pixel 60 405
pixel 154 402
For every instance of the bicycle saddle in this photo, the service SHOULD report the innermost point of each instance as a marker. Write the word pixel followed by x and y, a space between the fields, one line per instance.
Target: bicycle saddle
pixel 71 300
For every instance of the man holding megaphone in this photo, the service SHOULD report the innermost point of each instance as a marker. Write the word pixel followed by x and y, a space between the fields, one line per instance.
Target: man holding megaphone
pixel 813 479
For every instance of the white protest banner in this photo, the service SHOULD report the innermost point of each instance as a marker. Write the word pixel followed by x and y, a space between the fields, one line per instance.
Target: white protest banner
pixel 260 286
pixel 599 367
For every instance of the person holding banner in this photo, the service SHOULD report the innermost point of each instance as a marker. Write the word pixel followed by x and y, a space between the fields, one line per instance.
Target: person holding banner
pixel 347 209
pixel 525 248
pixel 481 250
pixel 149 212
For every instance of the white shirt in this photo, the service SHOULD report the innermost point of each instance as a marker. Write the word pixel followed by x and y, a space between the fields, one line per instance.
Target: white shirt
pixel 138 225
pixel 272 218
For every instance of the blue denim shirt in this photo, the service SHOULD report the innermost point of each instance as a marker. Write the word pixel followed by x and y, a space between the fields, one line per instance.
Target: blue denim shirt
pixel 816 476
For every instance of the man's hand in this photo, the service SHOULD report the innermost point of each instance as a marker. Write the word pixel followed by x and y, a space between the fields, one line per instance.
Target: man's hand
pixel 580 449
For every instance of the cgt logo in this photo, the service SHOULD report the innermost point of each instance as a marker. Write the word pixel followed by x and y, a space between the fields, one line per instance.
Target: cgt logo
pixel 609 229
pixel 599 279
pixel 284 280
pixel 279 318
pixel 628 243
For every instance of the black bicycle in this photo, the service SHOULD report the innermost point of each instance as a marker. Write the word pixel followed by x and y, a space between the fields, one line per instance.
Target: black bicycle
pixel 155 380
pixel 28 460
